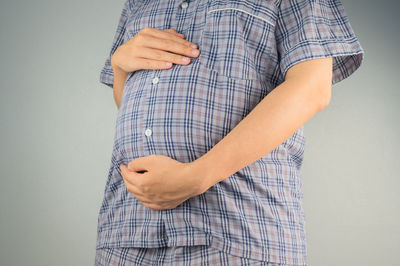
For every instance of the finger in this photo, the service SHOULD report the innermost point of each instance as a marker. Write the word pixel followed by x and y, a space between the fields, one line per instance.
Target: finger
pixel 172 30
pixel 153 206
pixel 139 195
pixel 139 164
pixel 160 206
pixel 153 64
pixel 161 34
pixel 145 199
pixel 131 182
pixel 130 177
pixel 136 192
pixel 123 174
pixel 160 55
pixel 135 179
pixel 170 45
pixel 166 46
pixel 175 32
pixel 180 35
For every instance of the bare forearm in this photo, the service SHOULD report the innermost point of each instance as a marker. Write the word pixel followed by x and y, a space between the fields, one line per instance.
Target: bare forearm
pixel 273 120
pixel 120 77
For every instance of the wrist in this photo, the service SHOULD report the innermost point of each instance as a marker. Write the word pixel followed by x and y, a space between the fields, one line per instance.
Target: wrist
pixel 204 171
pixel 114 62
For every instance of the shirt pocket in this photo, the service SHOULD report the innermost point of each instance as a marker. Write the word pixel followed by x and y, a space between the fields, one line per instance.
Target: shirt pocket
pixel 238 37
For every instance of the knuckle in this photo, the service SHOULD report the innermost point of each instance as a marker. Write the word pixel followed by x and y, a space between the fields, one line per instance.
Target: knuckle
pixel 139 37
pixel 152 65
pixel 149 64
pixel 146 29
pixel 142 185
pixel 157 64
pixel 169 44
pixel 158 54
pixel 178 59
pixel 145 189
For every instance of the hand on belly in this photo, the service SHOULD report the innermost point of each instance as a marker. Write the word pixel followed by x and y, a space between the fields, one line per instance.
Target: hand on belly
pixel 160 182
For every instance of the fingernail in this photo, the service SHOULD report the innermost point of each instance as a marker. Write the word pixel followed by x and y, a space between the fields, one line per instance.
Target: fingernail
pixel 168 64
pixel 185 59
pixel 193 45
pixel 195 52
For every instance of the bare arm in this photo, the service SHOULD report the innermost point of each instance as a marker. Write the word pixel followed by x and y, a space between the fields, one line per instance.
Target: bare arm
pixel 160 182
pixel 305 91
pixel 120 77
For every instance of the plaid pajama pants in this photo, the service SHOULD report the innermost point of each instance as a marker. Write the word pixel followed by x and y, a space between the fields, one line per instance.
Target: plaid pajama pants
pixel 176 256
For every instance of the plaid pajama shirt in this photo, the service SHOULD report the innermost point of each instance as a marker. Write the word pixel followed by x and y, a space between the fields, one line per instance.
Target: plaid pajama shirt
pixel 182 112
pixel 173 256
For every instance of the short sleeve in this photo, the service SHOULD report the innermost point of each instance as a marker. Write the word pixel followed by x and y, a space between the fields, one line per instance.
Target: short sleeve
pixel 310 29
pixel 107 74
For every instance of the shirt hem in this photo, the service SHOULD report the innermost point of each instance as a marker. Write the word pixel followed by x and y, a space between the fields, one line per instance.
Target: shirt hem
pixel 260 253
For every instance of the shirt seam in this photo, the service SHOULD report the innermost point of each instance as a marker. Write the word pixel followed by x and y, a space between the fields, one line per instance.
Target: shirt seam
pixel 294 47
pixel 244 11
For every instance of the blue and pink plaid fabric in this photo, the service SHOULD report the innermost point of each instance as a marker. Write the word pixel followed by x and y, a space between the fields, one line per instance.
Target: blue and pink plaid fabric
pixel 246 49
pixel 200 255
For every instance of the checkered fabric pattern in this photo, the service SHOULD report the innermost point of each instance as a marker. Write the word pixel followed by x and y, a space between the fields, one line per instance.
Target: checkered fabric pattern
pixel 182 112
pixel 200 255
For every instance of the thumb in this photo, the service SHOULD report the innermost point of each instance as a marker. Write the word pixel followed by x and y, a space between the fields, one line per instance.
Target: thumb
pixel 138 164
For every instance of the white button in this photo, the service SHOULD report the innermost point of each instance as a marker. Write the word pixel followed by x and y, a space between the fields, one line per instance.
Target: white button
pixel 184 5
pixel 155 80
pixel 147 132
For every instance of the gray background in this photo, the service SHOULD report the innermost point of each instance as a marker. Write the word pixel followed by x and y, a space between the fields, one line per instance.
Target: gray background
pixel 57 129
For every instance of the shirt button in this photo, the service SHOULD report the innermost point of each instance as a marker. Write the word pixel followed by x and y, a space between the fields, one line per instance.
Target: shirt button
pixel 155 80
pixel 148 132
pixel 184 5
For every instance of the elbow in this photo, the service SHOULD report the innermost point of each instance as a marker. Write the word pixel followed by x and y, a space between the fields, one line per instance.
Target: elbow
pixel 324 89
pixel 324 95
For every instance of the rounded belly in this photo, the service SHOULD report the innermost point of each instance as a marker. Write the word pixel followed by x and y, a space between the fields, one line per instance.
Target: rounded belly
pixel 181 112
